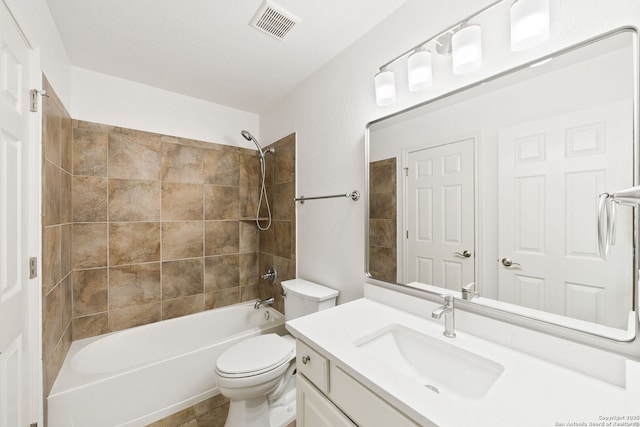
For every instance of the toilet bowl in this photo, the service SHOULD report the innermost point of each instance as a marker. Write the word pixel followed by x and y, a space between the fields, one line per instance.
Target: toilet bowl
pixel 249 372
pixel 257 375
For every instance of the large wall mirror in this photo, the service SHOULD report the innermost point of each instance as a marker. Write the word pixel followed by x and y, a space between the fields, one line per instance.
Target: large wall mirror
pixel 498 184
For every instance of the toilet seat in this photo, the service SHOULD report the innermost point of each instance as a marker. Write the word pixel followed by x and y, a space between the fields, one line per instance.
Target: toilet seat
pixel 255 356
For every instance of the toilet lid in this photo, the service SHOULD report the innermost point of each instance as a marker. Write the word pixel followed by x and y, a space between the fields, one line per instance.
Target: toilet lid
pixel 255 355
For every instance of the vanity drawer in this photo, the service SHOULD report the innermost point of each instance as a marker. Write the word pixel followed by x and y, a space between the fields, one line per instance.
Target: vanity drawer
pixel 314 366
pixel 363 406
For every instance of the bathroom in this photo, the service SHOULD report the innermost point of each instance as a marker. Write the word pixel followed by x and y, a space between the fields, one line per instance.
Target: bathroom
pixel 323 116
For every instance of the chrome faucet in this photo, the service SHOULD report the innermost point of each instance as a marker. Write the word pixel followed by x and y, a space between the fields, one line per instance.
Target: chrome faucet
pixel 259 302
pixel 469 292
pixel 449 316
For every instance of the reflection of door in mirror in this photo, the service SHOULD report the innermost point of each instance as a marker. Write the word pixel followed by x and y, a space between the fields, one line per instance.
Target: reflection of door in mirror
pixel 551 172
pixel 439 212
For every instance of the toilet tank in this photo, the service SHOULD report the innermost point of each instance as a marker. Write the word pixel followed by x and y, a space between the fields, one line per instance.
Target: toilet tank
pixel 303 297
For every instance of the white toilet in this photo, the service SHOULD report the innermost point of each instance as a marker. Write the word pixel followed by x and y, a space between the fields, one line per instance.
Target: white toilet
pixel 256 373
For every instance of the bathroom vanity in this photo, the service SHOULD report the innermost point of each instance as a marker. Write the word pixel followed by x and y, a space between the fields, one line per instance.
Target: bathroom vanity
pixel 382 361
pixel 319 404
pixel 496 185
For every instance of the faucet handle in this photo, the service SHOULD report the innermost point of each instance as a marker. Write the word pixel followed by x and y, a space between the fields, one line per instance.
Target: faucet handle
pixel 469 291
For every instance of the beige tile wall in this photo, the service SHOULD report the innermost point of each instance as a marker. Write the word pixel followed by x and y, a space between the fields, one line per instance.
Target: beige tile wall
pixel 140 227
pixel 383 257
pixel 162 227
pixel 277 247
pixel 278 243
pixel 56 235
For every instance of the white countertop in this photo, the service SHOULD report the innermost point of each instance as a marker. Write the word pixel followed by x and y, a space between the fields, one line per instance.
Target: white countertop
pixel 530 391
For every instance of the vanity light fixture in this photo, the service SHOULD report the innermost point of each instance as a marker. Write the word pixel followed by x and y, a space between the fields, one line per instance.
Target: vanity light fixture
pixel 419 69
pixel 529 27
pixel 385 82
pixel 466 47
pixel 529 23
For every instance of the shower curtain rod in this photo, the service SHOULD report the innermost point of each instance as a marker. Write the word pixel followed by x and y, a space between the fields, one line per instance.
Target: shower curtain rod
pixel 354 195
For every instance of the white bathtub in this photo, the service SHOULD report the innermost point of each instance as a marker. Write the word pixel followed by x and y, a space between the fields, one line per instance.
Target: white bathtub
pixel 143 374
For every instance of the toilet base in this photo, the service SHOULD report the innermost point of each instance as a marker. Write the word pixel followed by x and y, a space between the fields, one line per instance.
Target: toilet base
pixel 248 413
pixel 283 412
pixel 262 413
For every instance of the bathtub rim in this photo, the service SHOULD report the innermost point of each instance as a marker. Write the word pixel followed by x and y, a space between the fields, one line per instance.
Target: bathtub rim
pixel 61 388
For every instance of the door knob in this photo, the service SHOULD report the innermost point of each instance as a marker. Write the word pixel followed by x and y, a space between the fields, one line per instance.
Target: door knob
pixel 507 262
pixel 465 254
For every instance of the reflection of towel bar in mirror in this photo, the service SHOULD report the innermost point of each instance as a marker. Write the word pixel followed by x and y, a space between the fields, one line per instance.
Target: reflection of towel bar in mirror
pixel 607 216
pixel 354 195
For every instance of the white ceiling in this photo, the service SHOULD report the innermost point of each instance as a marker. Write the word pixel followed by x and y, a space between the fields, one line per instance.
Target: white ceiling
pixel 206 48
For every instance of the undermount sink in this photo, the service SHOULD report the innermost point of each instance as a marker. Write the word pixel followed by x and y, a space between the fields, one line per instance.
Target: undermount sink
pixel 441 367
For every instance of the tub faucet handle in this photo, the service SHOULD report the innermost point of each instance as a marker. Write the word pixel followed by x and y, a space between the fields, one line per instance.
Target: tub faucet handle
pixel 270 275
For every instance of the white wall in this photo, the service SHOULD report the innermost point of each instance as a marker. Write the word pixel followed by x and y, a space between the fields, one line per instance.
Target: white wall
pixel 36 22
pixel 329 112
pixel 96 97
pixel 110 100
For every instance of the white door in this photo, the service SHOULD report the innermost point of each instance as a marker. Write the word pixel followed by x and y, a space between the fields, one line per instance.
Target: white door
pixel 16 195
pixel 440 215
pixel 551 172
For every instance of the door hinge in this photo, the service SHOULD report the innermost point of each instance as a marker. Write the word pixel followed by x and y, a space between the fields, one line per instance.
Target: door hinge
pixel 406 171
pixel 33 267
pixel 33 96
pixel 34 100
pixel 407 234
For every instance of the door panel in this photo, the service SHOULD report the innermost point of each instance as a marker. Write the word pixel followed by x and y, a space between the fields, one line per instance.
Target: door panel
pixel 440 214
pixel 551 172
pixel 316 410
pixel 15 235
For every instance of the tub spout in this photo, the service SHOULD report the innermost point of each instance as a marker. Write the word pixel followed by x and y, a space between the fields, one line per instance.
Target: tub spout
pixel 268 301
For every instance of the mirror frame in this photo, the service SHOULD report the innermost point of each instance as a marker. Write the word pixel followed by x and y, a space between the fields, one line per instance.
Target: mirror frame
pixel 539 324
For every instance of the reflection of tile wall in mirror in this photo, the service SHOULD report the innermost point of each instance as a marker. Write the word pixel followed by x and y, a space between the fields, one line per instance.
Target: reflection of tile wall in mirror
pixel 382 219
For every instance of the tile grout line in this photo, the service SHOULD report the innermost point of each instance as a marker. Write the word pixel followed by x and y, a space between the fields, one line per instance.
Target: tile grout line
pixel 109 320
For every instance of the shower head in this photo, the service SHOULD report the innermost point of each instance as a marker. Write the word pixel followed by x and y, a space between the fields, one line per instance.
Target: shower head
pixel 263 191
pixel 247 135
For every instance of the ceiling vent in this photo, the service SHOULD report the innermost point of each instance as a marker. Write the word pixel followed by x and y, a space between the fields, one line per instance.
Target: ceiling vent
pixel 273 20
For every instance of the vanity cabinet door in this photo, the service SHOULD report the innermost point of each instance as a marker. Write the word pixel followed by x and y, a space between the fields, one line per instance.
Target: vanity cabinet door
pixel 315 410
